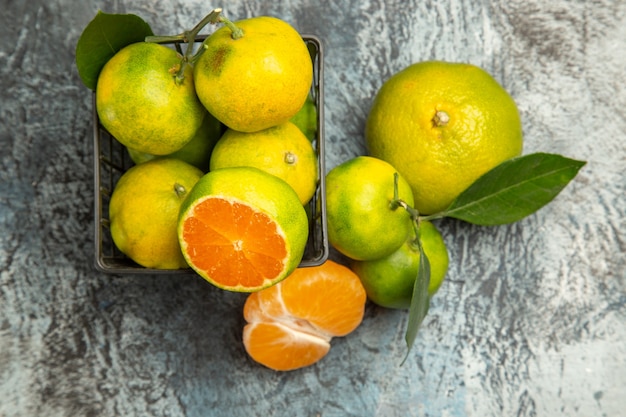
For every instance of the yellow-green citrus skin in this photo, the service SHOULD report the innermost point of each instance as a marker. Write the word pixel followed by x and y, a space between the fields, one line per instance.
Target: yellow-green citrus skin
pixel 143 211
pixel 197 151
pixel 306 119
pixel 257 81
pixel 389 281
pixel 281 150
pixel 442 125
pixel 139 102
pixel 263 192
pixel 362 224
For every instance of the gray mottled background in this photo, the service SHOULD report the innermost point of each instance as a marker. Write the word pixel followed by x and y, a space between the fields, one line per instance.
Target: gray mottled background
pixel 530 322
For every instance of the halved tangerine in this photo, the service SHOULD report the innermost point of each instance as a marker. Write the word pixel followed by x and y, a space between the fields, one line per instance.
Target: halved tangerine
pixel 290 325
pixel 242 229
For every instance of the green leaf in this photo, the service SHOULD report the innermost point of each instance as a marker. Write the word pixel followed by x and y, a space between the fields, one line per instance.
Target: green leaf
pixel 102 38
pixel 419 300
pixel 514 189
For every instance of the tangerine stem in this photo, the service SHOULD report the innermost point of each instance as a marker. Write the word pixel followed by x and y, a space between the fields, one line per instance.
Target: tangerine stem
pixel 165 38
pixel 413 212
pixel 395 203
pixel 212 18
pixel 415 215
pixel 415 243
pixel 237 32
pixel 189 37
pixel 215 17
pixel 398 202
pixel 434 216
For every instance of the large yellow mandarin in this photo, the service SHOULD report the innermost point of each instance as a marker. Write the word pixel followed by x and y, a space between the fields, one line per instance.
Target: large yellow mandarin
pixel 442 125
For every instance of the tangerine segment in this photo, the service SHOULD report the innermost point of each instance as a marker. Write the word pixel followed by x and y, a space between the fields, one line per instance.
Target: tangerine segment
pixel 330 298
pixel 292 318
pixel 281 348
pixel 266 305
pixel 233 241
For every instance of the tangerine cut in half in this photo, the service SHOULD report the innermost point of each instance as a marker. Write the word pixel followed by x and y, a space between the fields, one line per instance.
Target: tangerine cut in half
pixel 290 325
pixel 242 229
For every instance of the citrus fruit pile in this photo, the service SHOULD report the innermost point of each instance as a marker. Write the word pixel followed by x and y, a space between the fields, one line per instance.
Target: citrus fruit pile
pixel 433 129
pixel 225 163
pixel 370 221
pixel 224 112
pixel 222 141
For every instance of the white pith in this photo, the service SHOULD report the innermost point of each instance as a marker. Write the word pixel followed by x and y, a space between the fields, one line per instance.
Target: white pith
pixel 296 324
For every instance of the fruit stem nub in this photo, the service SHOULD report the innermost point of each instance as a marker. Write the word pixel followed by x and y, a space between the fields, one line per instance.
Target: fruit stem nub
pixel 180 190
pixel 290 158
pixel 441 118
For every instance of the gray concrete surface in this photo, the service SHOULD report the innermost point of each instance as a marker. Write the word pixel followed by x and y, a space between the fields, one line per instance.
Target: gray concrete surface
pixel 530 322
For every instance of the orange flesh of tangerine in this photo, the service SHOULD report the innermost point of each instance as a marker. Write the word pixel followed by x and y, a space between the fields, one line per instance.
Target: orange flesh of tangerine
pixel 331 298
pixel 290 324
pixel 281 348
pixel 234 244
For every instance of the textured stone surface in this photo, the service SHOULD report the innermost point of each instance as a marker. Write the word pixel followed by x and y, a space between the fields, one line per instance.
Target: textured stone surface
pixel 530 322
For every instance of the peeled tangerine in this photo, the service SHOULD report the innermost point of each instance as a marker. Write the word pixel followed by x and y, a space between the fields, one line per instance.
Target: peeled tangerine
pixel 290 325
